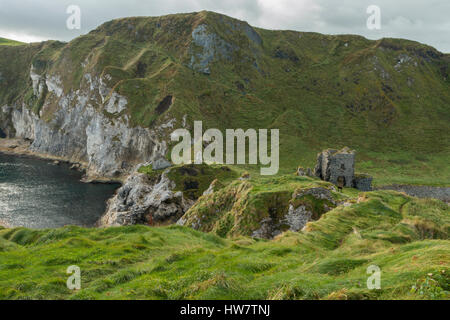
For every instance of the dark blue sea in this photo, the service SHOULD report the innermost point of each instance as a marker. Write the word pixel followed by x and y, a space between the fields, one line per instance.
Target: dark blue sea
pixel 38 194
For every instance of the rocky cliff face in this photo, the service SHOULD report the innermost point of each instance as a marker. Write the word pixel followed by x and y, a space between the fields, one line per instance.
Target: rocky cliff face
pixel 79 131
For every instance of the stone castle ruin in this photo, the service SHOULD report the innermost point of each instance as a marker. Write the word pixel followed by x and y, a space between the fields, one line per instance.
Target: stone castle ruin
pixel 338 167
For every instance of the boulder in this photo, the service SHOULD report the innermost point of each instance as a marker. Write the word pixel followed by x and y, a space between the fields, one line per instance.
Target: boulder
pixel 301 172
pixel 245 176
pixel 306 205
pixel 76 166
pixel 160 164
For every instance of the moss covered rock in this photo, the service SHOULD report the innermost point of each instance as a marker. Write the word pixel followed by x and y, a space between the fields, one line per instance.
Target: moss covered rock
pixel 261 210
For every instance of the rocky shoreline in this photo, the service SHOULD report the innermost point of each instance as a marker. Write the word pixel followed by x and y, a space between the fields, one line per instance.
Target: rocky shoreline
pixel 21 148
pixel 440 193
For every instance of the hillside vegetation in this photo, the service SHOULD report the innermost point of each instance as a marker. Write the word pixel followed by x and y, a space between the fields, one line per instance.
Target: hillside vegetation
pixel 389 99
pixel 8 42
pixel 407 238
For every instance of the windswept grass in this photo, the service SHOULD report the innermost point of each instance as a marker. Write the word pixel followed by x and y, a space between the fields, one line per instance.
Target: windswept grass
pixel 328 261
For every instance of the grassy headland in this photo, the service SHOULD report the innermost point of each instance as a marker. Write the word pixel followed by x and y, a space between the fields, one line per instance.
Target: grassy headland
pixel 406 237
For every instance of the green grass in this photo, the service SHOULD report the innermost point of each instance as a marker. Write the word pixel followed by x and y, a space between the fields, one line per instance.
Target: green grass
pixel 8 42
pixel 327 261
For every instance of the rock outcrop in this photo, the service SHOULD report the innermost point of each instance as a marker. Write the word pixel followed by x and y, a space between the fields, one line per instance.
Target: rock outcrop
pixel 146 200
pixel 211 46
pixel 241 209
pixel 301 211
pixel 160 197
pixel 302 172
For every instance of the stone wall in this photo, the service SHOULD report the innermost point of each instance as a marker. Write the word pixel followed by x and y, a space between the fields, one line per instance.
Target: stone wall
pixel 363 182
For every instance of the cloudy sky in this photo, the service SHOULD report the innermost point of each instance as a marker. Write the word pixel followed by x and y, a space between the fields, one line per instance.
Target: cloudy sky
pixel 424 21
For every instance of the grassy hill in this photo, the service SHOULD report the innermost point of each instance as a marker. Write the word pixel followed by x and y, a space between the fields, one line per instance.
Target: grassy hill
pixel 389 99
pixel 406 237
pixel 8 42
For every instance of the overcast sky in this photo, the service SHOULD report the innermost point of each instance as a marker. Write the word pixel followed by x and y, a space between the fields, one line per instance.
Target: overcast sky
pixel 425 21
